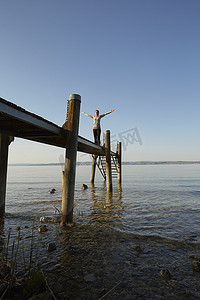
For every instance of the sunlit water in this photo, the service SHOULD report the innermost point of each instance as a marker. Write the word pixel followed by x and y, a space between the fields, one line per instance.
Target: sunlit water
pixel 156 200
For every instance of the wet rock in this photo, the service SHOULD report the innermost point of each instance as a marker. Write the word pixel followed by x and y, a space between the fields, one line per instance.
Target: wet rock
pixel 194 256
pixel 84 187
pixel 90 278
pixel 42 228
pixel 122 240
pixel 196 265
pixel 51 247
pixel 65 225
pixel 138 249
pixel 165 274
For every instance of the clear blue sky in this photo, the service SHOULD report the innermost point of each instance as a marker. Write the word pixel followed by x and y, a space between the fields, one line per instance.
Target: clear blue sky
pixel 141 58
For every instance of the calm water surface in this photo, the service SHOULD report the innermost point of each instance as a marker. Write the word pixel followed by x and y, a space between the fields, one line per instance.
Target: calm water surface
pixel 157 200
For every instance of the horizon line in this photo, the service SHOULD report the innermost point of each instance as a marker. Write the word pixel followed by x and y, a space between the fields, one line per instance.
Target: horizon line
pixel 150 162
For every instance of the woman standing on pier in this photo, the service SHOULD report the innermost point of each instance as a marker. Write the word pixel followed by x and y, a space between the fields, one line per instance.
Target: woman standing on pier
pixel 96 124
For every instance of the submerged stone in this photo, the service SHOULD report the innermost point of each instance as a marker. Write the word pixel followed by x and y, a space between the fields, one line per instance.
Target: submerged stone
pixel 165 274
pixel 90 278
pixel 138 249
pixel 42 228
pixel 51 247
pixel 196 265
pixel 194 256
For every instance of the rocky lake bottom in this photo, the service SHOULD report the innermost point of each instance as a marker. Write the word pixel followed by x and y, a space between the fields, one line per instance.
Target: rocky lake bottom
pixel 95 261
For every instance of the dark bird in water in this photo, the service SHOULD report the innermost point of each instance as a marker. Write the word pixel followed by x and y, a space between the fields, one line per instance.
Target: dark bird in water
pixel 84 187
pixel 52 191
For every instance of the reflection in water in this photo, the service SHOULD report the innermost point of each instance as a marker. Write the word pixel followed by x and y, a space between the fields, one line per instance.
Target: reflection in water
pixel 109 199
pixel 105 206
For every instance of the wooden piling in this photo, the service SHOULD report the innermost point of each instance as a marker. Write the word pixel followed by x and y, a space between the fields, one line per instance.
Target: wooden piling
pixel 108 161
pixel 4 143
pixel 119 165
pixel 94 162
pixel 68 175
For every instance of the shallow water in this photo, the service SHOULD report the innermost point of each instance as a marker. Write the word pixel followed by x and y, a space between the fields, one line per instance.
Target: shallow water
pixel 157 200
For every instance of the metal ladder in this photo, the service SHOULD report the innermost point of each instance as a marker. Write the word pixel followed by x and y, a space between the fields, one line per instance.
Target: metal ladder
pixel 101 164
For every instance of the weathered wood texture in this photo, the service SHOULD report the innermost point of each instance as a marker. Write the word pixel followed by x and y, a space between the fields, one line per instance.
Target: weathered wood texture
pixel 94 160
pixel 108 161
pixel 119 166
pixel 68 175
pixel 4 143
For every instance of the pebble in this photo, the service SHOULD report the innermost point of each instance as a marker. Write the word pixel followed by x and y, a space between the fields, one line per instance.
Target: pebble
pixel 194 256
pixel 65 225
pixel 84 186
pixel 51 247
pixel 196 265
pixel 138 248
pixel 90 278
pixel 42 228
pixel 165 274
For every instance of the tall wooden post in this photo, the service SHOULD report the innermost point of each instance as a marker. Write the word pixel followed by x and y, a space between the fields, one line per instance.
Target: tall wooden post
pixel 4 143
pixel 108 161
pixel 119 166
pixel 93 168
pixel 68 175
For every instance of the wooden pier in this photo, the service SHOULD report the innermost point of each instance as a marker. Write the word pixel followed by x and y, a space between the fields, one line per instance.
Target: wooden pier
pixel 17 122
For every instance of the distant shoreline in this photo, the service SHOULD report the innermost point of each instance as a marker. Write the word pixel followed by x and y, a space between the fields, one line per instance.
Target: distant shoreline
pixel 131 163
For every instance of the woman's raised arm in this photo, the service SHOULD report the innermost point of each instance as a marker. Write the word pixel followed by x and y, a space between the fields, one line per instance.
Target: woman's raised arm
pixel 101 116
pixel 87 115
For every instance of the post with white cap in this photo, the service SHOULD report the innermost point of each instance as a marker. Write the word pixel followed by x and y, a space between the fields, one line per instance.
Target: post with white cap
pixel 4 143
pixel 108 161
pixel 68 175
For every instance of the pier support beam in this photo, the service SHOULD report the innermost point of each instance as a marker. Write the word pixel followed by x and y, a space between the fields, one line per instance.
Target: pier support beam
pixel 68 175
pixel 108 161
pixel 119 165
pixel 4 143
pixel 94 163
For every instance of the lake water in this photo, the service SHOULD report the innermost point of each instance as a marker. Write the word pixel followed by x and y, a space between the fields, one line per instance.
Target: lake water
pixel 156 200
